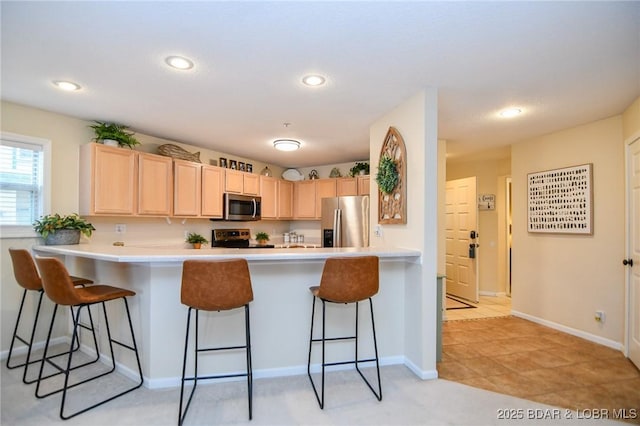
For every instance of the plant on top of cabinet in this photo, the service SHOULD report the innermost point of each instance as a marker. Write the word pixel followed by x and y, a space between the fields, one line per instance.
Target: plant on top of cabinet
pixel 359 169
pixel 114 132
pixel 196 239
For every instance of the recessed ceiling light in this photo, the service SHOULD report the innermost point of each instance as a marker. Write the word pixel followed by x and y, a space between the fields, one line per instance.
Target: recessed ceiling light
pixel 179 62
pixel 314 80
pixel 510 112
pixel 286 144
pixel 68 86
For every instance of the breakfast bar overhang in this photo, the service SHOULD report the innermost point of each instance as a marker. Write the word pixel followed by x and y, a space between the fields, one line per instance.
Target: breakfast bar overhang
pixel 280 311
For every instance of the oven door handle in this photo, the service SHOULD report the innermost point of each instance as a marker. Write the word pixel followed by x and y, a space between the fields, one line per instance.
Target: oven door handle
pixel 255 208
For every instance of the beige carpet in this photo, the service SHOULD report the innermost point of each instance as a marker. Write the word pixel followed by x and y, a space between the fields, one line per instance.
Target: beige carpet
pixel 407 400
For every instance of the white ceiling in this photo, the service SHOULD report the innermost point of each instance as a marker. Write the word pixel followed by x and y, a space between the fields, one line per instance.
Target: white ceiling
pixel 563 63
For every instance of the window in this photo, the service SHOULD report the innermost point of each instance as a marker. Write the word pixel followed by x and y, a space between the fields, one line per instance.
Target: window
pixel 24 196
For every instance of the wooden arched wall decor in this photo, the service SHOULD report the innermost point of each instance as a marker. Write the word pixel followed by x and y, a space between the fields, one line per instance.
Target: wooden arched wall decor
pixel 392 207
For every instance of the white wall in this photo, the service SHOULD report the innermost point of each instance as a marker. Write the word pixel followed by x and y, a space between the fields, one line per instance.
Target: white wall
pixel 564 279
pixel 416 121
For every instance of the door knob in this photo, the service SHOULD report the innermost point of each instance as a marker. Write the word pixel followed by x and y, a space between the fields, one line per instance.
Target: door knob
pixel 626 262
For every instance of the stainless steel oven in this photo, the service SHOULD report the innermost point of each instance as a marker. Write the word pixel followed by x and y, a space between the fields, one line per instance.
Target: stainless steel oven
pixel 242 207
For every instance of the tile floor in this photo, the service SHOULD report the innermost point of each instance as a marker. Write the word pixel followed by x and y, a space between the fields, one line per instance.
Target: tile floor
pixel 517 357
pixel 489 307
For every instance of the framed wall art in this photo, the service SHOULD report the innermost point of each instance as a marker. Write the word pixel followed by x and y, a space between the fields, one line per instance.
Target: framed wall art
pixel 560 201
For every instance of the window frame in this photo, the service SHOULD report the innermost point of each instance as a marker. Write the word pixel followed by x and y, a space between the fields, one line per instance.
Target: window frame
pixel 26 231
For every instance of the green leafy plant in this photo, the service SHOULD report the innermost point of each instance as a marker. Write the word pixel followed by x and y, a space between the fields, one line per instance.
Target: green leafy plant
pixel 195 238
pixel 117 132
pixel 51 223
pixel 387 177
pixel 262 236
pixel 355 170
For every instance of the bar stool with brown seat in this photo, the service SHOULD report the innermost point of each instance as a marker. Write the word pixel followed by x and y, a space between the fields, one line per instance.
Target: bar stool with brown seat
pixel 344 281
pixel 215 285
pixel 26 274
pixel 59 287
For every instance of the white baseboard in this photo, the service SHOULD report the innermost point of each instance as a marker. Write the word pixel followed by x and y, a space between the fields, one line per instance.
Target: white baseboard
pixel 172 382
pixel 574 332
pixel 22 350
pixel 492 293
pixel 422 374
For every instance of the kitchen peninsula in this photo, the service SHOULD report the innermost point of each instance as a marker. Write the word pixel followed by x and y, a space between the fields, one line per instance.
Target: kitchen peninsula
pixel 280 311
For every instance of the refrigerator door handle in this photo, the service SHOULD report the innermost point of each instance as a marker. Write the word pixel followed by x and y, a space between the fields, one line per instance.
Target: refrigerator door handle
pixel 337 228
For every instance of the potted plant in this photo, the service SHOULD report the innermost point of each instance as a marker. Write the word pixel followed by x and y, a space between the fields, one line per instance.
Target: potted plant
pixel 113 132
pixel 58 230
pixel 359 169
pixel 262 238
pixel 196 239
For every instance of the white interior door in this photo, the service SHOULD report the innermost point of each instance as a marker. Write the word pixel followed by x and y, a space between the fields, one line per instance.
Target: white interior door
pixel 461 219
pixel 633 321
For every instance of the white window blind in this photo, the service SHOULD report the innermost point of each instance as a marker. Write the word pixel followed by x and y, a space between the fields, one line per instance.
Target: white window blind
pixel 21 182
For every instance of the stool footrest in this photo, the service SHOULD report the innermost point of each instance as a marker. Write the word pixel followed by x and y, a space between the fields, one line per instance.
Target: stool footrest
pixel 217 376
pixel 329 364
pixel 331 339
pixel 226 348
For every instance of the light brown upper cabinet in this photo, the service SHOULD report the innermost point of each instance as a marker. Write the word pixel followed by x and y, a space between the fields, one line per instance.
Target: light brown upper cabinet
pixel 304 199
pixel 285 199
pixel 363 185
pixel 346 186
pixel 269 195
pixel 108 180
pixel 155 184
pixel 277 198
pixel 325 188
pixel 239 182
pixel 187 177
pixel 212 190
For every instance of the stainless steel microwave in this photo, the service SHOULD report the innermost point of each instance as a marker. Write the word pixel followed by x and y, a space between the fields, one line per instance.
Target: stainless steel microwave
pixel 242 207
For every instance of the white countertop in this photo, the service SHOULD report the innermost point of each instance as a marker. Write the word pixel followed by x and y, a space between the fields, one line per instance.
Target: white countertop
pixel 163 254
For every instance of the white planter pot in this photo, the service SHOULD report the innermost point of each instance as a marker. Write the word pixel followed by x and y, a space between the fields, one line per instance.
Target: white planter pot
pixel 110 142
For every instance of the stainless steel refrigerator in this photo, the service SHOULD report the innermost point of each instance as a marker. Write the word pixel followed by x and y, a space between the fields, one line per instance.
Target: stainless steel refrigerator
pixel 345 221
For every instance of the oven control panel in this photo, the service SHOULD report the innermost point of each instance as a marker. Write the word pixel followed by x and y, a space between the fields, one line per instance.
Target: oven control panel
pixel 231 234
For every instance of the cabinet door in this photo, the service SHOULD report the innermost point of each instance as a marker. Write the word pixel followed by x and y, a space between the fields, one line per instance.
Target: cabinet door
pixel 212 190
pixel 304 199
pixel 186 188
pixel 285 199
pixel 325 188
pixel 107 180
pixel 363 185
pixel 155 185
pixel 234 181
pixel 251 184
pixel 346 186
pixel 269 194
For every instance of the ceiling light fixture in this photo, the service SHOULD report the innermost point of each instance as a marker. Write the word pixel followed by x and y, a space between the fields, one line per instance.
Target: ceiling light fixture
pixel 179 62
pixel 510 112
pixel 314 80
pixel 286 144
pixel 68 86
